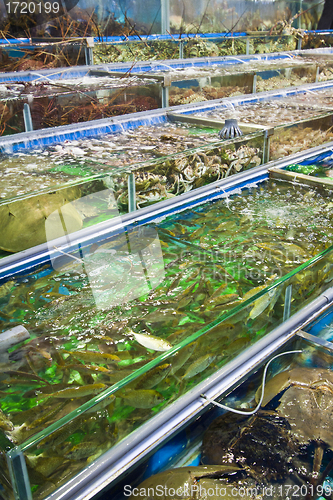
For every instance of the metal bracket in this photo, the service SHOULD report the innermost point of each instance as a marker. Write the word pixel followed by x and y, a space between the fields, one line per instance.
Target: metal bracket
pixel 325 344
pixel 165 97
pixel 265 154
pixel 19 474
pixel 27 118
pixel 131 193
pixel 89 50
pixel 181 49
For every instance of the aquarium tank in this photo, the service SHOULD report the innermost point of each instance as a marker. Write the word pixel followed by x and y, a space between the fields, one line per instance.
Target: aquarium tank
pixel 72 18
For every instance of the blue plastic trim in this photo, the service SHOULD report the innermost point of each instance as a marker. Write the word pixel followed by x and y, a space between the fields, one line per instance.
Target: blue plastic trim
pixel 164 455
pixel 316 159
pixel 46 137
pixel 318 326
pixel 14 41
pixel 174 37
pixel 320 32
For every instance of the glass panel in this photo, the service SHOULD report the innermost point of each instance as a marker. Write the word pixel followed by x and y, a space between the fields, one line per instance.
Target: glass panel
pixel 317 40
pixel 154 181
pixel 275 112
pixel 212 87
pixel 286 77
pixel 98 320
pixel 53 109
pixel 83 18
pixel 135 51
pixel 32 170
pixel 31 220
pixel 36 57
pixel 299 136
pixel 217 17
pixel 214 47
pixel 265 44
pixel 171 176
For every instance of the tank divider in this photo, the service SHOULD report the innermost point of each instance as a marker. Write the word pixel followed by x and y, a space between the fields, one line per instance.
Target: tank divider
pixel 325 344
pixel 295 177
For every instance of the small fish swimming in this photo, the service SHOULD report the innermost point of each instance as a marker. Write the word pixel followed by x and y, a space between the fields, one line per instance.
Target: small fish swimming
pixel 94 356
pixel 154 376
pixel 142 398
pixel 76 392
pixel 151 342
pixel 199 365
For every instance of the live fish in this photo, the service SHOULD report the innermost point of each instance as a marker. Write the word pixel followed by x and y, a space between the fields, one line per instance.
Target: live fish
pixel 142 398
pixel 154 376
pixel 199 365
pixel 81 450
pixel 179 358
pixel 77 392
pixel 94 357
pixel 151 342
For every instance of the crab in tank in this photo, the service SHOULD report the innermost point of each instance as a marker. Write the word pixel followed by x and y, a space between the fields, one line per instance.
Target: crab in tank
pixel 272 449
pixel 306 402
pixel 287 442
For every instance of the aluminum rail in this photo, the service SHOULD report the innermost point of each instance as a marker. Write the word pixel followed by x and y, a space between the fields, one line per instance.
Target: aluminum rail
pixel 113 464
pixel 41 254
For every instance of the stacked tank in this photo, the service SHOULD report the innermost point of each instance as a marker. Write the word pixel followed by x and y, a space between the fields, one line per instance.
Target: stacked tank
pixel 146 259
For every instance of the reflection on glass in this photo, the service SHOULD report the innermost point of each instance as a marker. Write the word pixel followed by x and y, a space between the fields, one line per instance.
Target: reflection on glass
pixel 121 327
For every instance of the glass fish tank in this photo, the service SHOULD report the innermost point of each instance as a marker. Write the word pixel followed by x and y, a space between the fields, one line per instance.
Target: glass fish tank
pixel 165 159
pixel 310 121
pixel 270 437
pixel 36 166
pixel 197 89
pixel 191 47
pixel 317 40
pixel 102 94
pixel 61 102
pixel 120 321
pixel 241 76
pixel 163 177
pixel 27 56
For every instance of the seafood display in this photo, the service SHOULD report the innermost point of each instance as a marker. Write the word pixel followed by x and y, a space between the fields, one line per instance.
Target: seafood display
pixel 316 41
pixel 53 103
pixel 135 51
pixel 163 177
pixel 203 282
pixel 304 133
pixel 298 137
pixel 276 111
pixel 76 100
pixel 145 152
pixel 64 53
pixel 159 180
pixel 191 47
pixel 24 172
pixel 179 96
pixel 281 451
